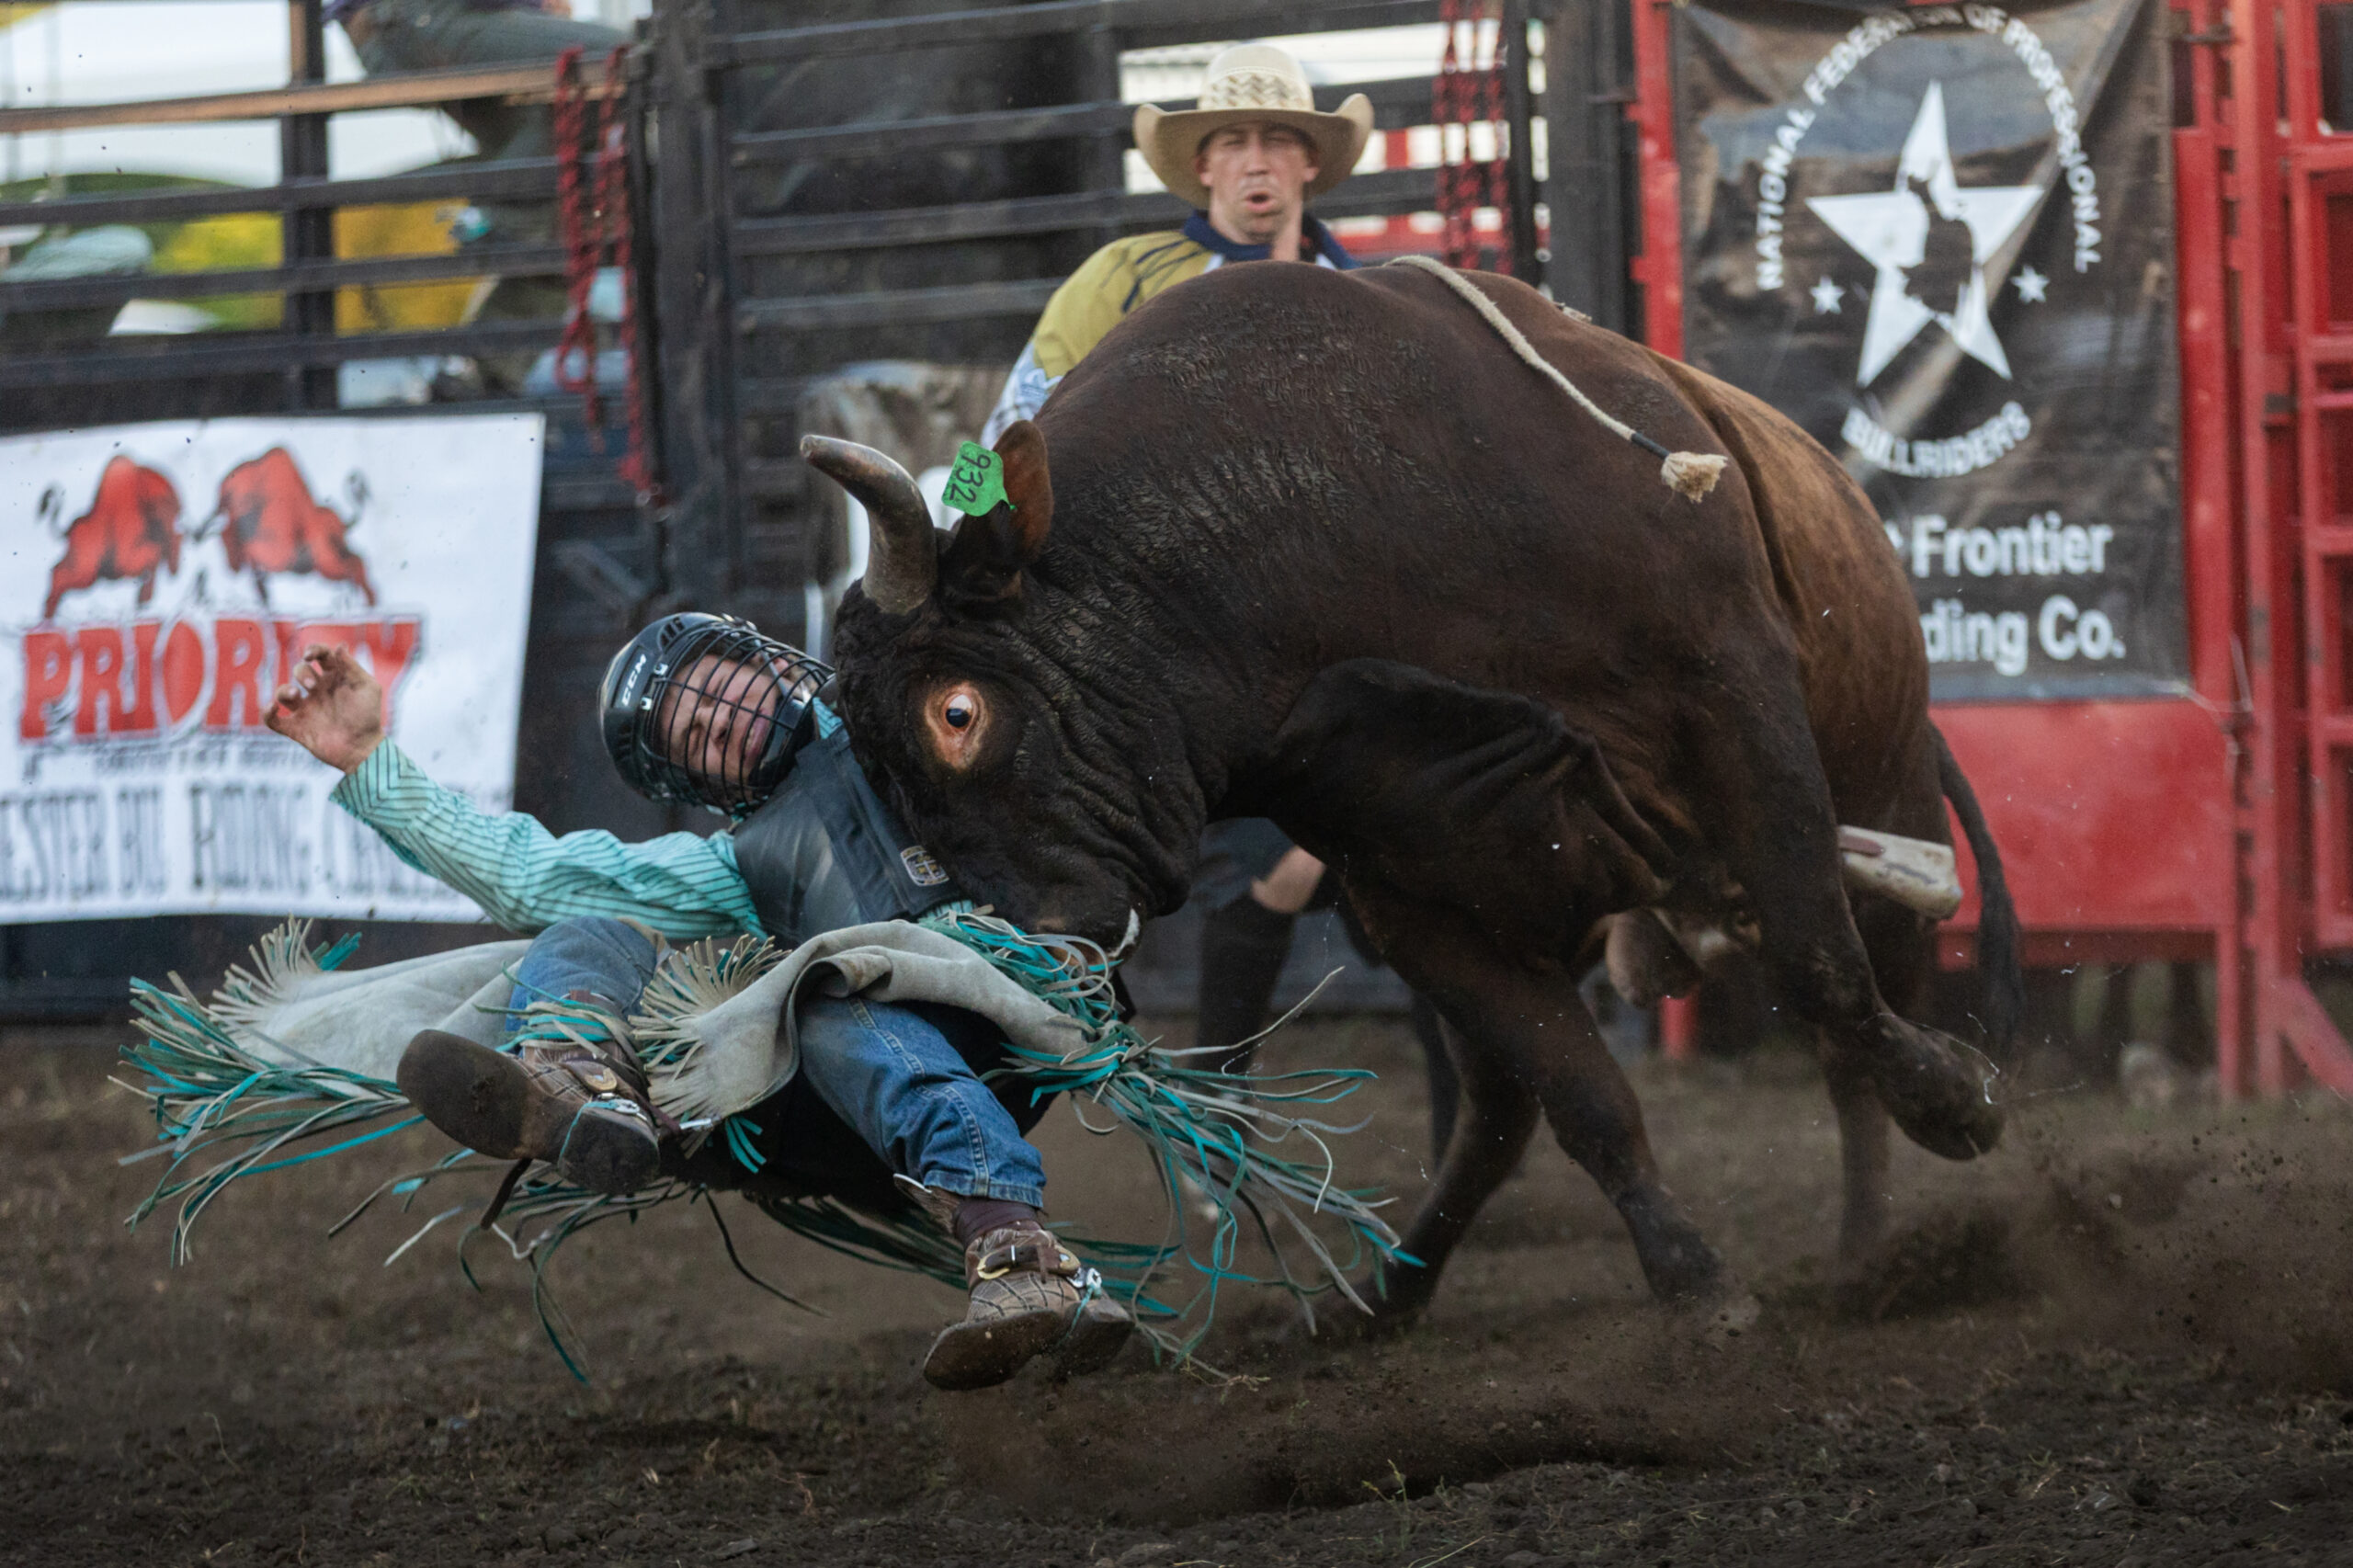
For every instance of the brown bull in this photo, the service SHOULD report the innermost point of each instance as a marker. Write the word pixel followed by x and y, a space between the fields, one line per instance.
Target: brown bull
pixel 130 533
pixel 1316 547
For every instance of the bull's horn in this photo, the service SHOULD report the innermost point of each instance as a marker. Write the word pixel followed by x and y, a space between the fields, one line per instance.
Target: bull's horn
pixel 903 554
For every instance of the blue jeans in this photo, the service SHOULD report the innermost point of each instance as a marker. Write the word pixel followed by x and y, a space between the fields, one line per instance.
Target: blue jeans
pixel 905 1079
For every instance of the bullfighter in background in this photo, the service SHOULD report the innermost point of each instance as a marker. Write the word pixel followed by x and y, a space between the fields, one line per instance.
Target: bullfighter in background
pixel 1247 160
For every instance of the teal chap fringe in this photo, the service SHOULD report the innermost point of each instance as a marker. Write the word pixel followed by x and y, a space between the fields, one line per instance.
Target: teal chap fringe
pixel 1253 1147
pixel 1212 1132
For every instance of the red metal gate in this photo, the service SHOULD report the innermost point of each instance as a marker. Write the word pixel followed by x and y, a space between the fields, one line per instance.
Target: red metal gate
pixel 2219 826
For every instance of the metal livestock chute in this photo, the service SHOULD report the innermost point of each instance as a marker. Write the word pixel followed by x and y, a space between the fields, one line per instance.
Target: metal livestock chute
pixel 2091 355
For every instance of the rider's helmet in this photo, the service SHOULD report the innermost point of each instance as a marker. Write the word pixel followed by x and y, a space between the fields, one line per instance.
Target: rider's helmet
pixel 703 708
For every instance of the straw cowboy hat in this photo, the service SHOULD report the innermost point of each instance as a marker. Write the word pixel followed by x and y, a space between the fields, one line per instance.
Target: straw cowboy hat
pixel 1252 82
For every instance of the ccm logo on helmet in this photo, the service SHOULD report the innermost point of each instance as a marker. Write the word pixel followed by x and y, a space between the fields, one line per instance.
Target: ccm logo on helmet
pixel 628 682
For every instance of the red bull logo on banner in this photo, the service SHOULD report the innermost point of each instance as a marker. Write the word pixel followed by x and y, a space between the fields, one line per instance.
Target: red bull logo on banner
pixel 142 676
pixel 270 525
pixel 165 581
pixel 131 531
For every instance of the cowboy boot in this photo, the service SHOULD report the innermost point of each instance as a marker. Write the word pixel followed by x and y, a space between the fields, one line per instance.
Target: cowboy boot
pixel 1030 1296
pixel 570 1092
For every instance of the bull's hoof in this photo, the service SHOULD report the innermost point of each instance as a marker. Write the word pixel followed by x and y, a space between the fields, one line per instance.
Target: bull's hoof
pixel 1397 1293
pixel 1940 1091
pixel 1730 1317
pixel 1680 1267
pixel 1856 1275
pixel 1344 1324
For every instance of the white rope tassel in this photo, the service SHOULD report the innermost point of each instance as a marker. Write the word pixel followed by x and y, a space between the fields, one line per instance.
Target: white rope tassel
pixel 1689 474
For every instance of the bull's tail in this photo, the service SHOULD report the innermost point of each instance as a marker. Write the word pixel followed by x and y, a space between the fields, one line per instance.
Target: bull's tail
pixel 1997 917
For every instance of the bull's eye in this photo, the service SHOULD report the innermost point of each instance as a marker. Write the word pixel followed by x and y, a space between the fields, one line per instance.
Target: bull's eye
pixel 957 717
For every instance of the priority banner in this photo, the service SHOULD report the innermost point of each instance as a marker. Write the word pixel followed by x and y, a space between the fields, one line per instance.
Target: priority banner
pixel 161 580
pixel 1940 238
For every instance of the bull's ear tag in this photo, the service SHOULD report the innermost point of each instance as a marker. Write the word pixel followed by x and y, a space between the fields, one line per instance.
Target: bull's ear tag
pixel 977 484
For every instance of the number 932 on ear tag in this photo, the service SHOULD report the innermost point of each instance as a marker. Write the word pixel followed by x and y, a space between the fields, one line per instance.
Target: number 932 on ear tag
pixel 977 484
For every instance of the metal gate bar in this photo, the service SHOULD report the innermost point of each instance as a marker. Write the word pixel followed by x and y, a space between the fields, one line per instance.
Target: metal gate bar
pixel 305 199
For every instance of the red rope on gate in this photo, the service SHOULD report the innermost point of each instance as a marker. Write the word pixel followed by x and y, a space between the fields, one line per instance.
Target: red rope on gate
pixel 605 229
pixel 580 244
pixel 1463 93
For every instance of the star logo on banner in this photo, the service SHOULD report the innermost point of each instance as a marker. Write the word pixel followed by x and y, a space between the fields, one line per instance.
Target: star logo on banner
pixel 2030 285
pixel 1826 296
pixel 1930 240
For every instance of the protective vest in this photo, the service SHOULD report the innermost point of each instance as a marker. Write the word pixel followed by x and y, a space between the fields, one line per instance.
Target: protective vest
pixel 824 851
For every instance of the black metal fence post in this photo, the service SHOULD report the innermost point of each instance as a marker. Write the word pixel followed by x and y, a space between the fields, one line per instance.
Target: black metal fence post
pixel 1519 115
pixel 309 232
pixel 1107 161
pixel 1586 88
pixel 695 307
pixel 645 265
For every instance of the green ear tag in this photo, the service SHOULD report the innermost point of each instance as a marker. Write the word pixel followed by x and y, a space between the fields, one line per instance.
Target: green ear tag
pixel 977 484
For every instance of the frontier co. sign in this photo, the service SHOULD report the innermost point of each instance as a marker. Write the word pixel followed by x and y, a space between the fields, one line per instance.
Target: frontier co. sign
pixel 1936 237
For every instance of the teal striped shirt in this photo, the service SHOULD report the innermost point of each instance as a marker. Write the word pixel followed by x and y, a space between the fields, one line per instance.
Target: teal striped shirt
pixel 527 878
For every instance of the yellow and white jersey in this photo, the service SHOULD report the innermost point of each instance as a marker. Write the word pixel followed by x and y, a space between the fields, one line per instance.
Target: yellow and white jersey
pixel 1115 280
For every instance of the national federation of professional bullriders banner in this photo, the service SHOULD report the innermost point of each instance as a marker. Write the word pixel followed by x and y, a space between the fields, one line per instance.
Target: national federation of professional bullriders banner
pixel 156 582
pixel 1940 238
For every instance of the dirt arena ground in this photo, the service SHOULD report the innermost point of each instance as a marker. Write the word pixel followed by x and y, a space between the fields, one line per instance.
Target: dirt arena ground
pixel 2126 1337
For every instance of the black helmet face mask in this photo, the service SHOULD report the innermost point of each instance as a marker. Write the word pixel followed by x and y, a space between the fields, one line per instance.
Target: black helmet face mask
pixel 702 707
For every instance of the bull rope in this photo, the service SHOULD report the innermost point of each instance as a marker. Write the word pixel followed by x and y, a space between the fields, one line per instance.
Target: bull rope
pixel 1689 474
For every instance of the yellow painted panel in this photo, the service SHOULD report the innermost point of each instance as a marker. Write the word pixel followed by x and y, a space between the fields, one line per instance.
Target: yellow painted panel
pixel 255 240
pixel 232 241
pixel 416 228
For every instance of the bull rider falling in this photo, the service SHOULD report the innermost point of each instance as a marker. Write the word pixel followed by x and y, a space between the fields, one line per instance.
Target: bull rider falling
pixel 830 1064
